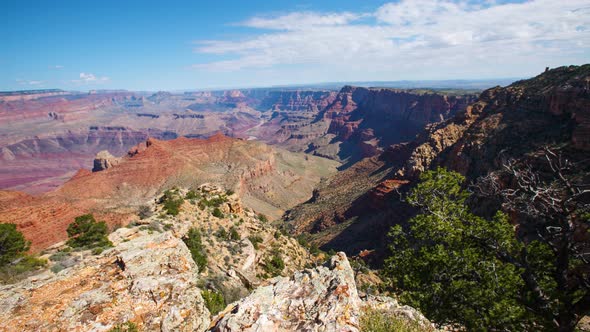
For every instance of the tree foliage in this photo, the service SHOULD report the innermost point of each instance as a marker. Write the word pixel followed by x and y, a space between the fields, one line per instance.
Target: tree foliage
pixel 85 231
pixel 460 268
pixel 442 262
pixel 12 243
pixel 550 197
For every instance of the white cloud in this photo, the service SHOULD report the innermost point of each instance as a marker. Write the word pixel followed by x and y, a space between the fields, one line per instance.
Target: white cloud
pixel 412 37
pixel 56 67
pixel 301 20
pixel 29 82
pixel 88 78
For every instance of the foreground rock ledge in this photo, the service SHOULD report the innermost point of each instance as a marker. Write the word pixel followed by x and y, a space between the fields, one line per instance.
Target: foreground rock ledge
pixel 320 299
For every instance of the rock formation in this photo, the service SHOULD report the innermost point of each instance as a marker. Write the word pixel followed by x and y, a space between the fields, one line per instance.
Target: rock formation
pixel 321 299
pixel 268 180
pixel 516 121
pixel 149 279
pixel 104 160
pixel 157 289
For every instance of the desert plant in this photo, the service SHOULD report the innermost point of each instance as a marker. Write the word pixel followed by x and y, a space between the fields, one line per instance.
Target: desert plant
pixel 214 301
pixel 217 213
pixel 255 240
pixel 195 245
pixel 125 327
pixel 234 235
pixel 85 231
pixel 274 264
pixel 373 320
pixel 12 243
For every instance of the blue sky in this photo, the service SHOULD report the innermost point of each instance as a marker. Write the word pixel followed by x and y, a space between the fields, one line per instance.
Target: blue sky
pixel 176 45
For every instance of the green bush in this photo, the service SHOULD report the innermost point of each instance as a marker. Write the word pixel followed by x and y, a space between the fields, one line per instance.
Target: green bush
pixel 213 202
pixel 262 218
pixel 233 234
pixel 12 244
pixel 85 231
pixel 23 267
pixel 222 233
pixel 255 239
pixel 125 327
pixel 274 264
pixel 373 320
pixel 191 194
pixel 214 301
pixel 59 256
pixel 172 202
pixel 195 245
pixel 217 213
pixel 97 251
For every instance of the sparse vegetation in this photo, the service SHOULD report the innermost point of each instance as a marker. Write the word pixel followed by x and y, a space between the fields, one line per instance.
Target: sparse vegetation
pixel 274 264
pixel 373 320
pixel 194 243
pixel 191 194
pixel 255 240
pixel 86 232
pixel 144 212
pixel 125 327
pixel 222 233
pixel 214 301
pixel 262 218
pixel 217 213
pixel 234 235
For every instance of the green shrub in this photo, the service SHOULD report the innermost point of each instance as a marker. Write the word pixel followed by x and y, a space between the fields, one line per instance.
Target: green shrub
pixel 373 320
pixel 303 241
pixel 277 235
pixel 85 231
pixel 213 202
pixel 191 194
pixel 12 244
pixel 214 301
pixel 217 213
pixel 255 239
pixel 195 245
pixel 21 268
pixel 262 218
pixel 233 234
pixel 274 264
pixel 125 327
pixel 229 192
pixel 59 256
pixel 97 251
pixel 222 233
pixel 57 267
pixel 172 202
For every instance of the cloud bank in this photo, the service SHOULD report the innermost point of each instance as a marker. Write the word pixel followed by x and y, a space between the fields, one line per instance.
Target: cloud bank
pixel 401 39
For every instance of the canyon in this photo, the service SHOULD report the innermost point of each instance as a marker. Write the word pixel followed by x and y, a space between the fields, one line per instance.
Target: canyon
pixel 47 136
pixel 355 209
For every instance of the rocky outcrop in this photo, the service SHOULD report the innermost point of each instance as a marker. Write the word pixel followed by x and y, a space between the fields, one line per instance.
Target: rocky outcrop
pixel 321 299
pixel 149 280
pixel 516 121
pixel 104 160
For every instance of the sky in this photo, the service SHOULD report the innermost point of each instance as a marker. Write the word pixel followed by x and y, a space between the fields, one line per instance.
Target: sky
pixel 188 45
